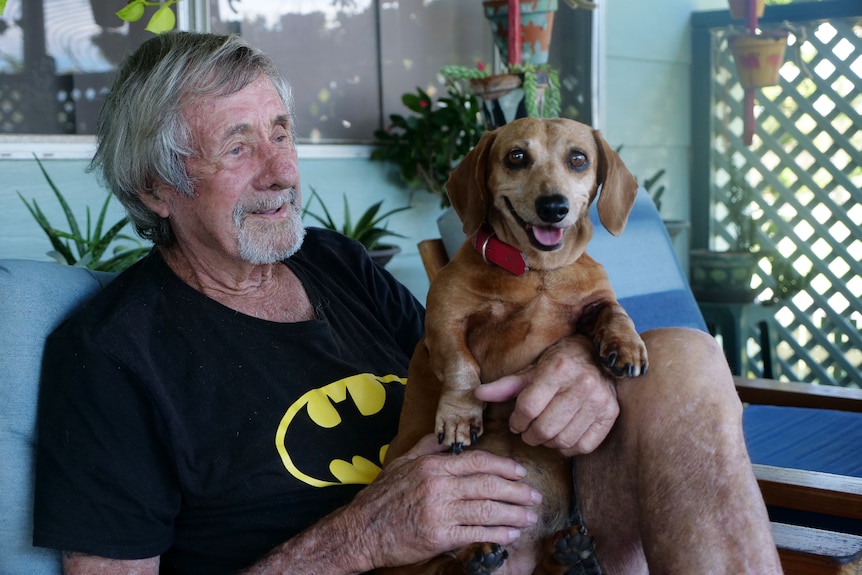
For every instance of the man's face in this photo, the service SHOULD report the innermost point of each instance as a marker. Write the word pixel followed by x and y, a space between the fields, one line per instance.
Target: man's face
pixel 246 203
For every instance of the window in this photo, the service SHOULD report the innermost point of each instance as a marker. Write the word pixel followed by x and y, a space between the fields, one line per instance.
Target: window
pixel 349 61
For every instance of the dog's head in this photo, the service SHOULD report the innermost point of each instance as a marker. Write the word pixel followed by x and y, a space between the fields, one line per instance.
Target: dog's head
pixel 533 181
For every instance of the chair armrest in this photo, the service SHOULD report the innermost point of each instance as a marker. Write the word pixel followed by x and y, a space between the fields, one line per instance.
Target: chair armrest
pixel 794 394
pixel 813 491
pixel 434 256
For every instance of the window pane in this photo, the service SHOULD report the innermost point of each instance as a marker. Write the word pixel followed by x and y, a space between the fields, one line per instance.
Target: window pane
pixel 56 62
pixel 328 51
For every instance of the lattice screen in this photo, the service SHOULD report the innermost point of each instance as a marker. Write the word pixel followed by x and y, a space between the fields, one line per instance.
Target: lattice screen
pixel 806 166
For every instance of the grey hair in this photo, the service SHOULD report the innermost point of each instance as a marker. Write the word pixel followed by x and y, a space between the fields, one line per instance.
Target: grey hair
pixel 142 136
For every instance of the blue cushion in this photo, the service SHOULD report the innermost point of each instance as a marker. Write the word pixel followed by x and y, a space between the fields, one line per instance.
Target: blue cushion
pixel 34 298
pixel 804 438
pixel 811 439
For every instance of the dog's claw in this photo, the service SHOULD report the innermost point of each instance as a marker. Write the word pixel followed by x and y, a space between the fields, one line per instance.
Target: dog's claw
pixel 440 439
pixel 457 448
pixel 474 436
pixel 486 558
pixel 571 546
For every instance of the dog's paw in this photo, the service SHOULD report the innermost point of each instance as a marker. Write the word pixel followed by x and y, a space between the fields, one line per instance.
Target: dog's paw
pixel 459 419
pixel 482 558
pixel 570 546
pixel 623 356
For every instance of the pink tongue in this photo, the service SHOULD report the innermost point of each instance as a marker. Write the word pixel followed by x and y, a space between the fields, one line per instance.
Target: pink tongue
pixel 548 236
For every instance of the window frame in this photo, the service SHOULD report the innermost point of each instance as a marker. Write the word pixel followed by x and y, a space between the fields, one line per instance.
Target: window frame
pixel 195 15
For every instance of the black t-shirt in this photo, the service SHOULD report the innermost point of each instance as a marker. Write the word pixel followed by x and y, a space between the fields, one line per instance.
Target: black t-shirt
pixel 172 425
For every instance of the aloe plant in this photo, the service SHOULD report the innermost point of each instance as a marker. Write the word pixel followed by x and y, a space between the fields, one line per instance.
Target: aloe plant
pixel 86 248
pixel 367 230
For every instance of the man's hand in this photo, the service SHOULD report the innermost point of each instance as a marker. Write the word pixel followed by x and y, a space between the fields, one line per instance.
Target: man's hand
pixel 427 502
pixel 564 400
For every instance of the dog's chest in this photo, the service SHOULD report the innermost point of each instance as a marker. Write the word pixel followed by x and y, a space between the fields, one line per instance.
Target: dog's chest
pixel 506 335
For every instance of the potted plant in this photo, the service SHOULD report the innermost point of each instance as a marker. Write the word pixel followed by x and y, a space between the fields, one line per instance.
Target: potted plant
pixel 520 90
pixel 368 230
pixel 427 145
pixel 726 276
pixel 759 53
pixel 86 247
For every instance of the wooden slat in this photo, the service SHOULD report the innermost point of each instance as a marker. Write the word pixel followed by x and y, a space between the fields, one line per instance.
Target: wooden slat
pixel 433 255
pixel 813 491
pixel 808 551
pixel 794 394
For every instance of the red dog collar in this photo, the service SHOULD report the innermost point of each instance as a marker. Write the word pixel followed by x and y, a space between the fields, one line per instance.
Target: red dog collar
pixel 498 252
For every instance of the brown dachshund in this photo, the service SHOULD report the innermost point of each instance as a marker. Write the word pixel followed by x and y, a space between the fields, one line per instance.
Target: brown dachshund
pixel 521 282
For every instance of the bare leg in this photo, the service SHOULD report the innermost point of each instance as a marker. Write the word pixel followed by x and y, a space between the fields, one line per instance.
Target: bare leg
pixel 671 489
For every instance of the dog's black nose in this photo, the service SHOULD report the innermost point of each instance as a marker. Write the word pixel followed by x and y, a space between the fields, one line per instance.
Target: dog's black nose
pixel 552 209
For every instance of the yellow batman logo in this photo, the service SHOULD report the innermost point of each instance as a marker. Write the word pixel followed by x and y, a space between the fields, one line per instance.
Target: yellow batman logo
pixel 325 408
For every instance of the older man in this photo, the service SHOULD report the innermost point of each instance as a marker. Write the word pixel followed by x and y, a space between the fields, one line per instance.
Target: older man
pixel 226 402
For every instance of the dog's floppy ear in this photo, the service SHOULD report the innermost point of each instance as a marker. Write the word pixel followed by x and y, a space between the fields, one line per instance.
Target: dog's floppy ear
pixel 619 188
pixel 466 185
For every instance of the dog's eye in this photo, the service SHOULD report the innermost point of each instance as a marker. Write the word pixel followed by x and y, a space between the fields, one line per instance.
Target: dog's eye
pixel 516 158
pixel 578 160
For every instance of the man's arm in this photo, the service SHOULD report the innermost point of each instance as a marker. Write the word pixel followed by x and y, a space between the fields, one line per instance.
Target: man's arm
pixel 82 564
pixel 422 504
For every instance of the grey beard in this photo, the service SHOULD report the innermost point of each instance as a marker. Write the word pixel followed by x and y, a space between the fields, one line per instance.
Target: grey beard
pixel 269 242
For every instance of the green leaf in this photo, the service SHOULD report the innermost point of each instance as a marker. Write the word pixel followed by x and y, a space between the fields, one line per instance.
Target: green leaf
pixel 163 20
pixel 2 6
pixel 132 12
pixel 70 217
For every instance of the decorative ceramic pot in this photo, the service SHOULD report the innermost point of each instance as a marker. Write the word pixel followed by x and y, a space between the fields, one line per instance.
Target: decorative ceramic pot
pixel 384 254
pixel 759 57
pixel 537 22
pixel 722 276
pixel 739 8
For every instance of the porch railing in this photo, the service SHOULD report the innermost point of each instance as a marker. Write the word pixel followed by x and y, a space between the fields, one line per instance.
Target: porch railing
pixel 805 163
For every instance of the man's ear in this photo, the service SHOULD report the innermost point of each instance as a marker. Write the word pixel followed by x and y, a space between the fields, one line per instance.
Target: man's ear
pixel 159 199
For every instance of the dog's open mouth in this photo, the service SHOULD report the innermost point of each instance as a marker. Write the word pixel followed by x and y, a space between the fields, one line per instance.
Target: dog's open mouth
pixel 545 238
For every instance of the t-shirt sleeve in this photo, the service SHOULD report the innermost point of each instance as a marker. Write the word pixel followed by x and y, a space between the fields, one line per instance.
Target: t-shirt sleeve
pixel 104 484
pixel 400 310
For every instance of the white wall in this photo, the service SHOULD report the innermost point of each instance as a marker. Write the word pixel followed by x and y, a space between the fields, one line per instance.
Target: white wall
pixel 647 94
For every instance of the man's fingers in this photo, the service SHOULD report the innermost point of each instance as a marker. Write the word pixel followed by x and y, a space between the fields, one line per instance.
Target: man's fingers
pixel 425 446
pixel 504 389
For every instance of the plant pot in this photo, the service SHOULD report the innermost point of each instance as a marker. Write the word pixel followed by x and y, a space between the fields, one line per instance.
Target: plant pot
pixel 384 254
pixel 723 277
pixel 503 99
pixel 758 57
pixel 739 8
pixel 537 22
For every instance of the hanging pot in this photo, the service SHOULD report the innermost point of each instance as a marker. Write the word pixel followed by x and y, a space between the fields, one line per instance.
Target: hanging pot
pixel 722 276
pixel 739 8
pixel 537 21
pixel 758 57
pixel 503 98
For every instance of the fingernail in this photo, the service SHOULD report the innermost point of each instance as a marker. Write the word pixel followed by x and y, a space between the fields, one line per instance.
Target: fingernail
pixel 532 517
pixel 514 534
pixel 535 496
pixel 521 471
